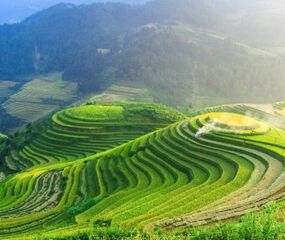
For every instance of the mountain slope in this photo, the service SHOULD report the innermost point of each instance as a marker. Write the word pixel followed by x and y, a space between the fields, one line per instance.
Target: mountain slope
pixel 96 26
pixel 168 45
pixel 232 167
pixel 181 51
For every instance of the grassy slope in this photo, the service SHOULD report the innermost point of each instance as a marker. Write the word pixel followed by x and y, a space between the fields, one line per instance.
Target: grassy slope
pixel 154 179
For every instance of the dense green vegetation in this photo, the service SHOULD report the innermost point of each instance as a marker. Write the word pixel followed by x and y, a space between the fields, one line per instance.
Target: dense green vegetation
pixel 8 122
pixel 135 170
pixel 257 226
pixel 177 49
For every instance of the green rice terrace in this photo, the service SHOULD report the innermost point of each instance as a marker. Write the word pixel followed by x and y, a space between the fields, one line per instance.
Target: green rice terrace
pixel 140 167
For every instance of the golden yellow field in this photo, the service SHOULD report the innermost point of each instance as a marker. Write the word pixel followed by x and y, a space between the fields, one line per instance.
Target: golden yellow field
pixel 235 123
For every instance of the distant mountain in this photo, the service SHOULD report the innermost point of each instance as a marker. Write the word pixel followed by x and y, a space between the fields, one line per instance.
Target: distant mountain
pixel 64 33
pixel 182 50
pixel 16 11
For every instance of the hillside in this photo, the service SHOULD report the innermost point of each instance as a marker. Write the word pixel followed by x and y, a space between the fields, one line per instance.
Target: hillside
pixel 83 131
pixel 89 44
pixel 218 165
pixel 33 98
pixel 83 28
pixel 183 66
pixel 186 54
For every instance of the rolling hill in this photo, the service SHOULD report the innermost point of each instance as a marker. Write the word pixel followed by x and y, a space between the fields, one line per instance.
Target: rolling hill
pixel 185 53
pixel 83 131
pixel 159 169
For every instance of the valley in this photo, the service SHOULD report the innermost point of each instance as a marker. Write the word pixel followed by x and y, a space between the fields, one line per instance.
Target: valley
pixel 142 120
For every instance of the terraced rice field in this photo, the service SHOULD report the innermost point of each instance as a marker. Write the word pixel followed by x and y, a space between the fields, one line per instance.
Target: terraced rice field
pixel 169 177
pixel 79 132
pixel 33 101
pixel 124 92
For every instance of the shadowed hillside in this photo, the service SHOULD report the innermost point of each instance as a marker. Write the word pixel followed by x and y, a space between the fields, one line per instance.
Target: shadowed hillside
pixel 186 53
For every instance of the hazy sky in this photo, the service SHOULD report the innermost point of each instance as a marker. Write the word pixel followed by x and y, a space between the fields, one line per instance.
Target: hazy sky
pixel 16 10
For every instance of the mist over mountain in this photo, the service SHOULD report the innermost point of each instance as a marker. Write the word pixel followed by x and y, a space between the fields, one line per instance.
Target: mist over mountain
pixel 257 22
